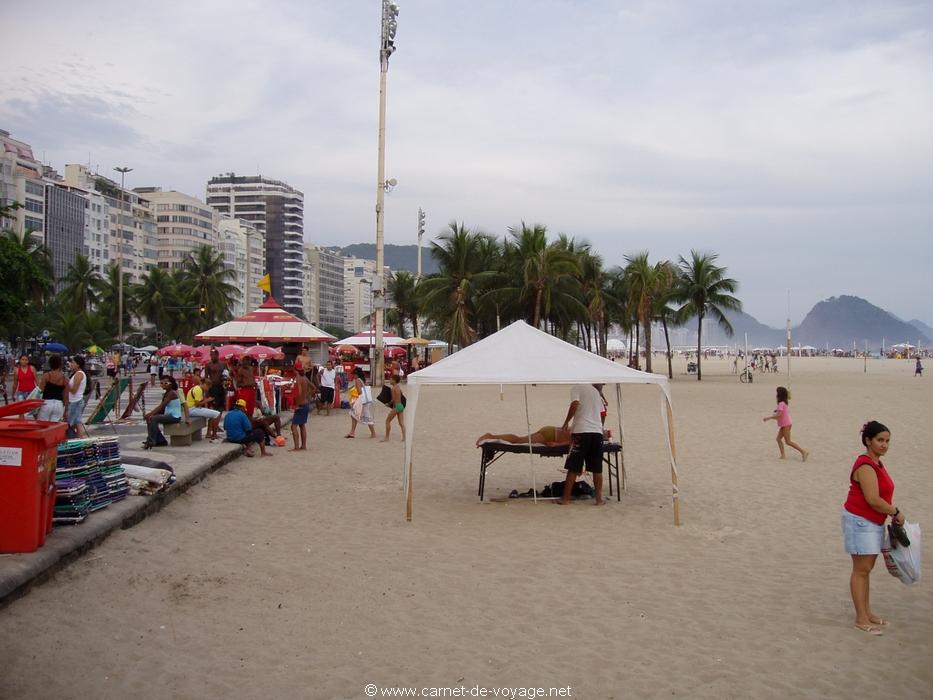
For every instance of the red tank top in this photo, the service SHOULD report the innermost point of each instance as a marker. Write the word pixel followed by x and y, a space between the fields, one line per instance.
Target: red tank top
pixel 856 503
pixel 25 379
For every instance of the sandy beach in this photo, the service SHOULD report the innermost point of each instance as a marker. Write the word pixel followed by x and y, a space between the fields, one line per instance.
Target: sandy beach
pixel 297 576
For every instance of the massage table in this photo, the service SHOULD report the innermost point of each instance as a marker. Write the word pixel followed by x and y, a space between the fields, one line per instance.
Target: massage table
pixel 492 450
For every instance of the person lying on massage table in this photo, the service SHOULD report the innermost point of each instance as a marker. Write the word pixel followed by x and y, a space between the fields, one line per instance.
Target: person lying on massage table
pixel 550 435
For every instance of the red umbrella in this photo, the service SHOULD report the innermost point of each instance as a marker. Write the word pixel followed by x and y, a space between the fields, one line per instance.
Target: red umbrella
pixel 347 350
pixel 225 352
pixel 202 354
pixel 264 352
pixel 395 351
pixel 176 350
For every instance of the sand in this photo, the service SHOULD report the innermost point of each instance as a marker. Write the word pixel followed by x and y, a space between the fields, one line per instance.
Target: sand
pixel 298 576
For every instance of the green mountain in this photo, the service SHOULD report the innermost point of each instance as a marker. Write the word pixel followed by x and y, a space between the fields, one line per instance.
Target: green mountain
pixel 397 257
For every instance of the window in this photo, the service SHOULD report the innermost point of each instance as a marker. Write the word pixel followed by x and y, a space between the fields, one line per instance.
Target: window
pixel 34 188
pixel 33 224
pixel 33 205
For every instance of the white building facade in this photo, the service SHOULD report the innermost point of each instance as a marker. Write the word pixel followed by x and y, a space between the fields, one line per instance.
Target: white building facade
pixel 183 224
pixel 358 276
pixel 244 252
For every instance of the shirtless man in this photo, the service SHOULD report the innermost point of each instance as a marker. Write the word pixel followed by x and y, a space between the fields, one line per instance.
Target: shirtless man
pixel 550 435
pixel 214 370
pixel 300 416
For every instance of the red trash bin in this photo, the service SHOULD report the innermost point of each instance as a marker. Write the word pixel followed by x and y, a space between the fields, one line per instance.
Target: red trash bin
pixel 28 452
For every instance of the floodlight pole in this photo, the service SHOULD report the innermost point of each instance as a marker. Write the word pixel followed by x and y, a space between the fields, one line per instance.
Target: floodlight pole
pixel 387 47
pixel 123 171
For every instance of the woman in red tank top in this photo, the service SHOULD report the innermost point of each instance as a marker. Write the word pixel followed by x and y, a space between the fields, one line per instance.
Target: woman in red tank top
pixel 24 379
pixel 871 493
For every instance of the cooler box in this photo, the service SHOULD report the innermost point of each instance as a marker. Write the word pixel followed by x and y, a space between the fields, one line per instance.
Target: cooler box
pixel 28 453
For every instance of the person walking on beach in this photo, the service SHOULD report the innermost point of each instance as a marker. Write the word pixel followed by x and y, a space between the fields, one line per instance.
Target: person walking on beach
pixel 53 384
pixel 361 407
pixel 870 502
pixel 397 409
pixel 77 389
pixel 328 378
pixel 918 368
pixel 586 440
pixel 300 416
pixel 782 416
pixel 25 379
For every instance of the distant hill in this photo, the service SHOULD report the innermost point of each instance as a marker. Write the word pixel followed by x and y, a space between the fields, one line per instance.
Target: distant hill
pixel 841 320
pixel 397 257
pixel 922 327
pixel 837 321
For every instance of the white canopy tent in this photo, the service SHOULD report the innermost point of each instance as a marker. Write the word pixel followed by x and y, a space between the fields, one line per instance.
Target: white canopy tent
pixel 522 355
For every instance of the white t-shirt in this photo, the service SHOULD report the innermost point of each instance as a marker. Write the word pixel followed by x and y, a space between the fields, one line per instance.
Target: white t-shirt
pixel 586 419
pixel 79 393
pixel 327 377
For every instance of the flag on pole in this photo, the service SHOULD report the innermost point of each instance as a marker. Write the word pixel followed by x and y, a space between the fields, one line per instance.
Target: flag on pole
pixel 265 284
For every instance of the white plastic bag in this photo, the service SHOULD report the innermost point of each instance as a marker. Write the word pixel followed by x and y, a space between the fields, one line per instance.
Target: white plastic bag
pixel 903 562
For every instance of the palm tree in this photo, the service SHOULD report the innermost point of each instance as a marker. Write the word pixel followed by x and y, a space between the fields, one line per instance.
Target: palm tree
pixel 39 282
pixel 642 279
pixel 108 300
pixel 207 281
pixel 156 298
pixel 704 290
pixel 82 285
pixel 96 326
pixel 664 291
pixel 450 296
pixel 68 327
pixel 402 288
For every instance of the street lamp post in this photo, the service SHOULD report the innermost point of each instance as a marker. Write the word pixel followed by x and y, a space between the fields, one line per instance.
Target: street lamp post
pixel 420 234
pixel 123 171
pixel 359 304
pixel 387 47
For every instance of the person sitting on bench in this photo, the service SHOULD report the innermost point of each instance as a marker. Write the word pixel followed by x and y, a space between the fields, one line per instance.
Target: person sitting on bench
pixel 240 430
pixel 199 400
pixel 169 411
pixel 550 435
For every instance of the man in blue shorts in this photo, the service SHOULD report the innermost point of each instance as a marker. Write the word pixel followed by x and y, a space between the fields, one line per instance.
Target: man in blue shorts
pixel 586 440
pixel 300 416
pixel 238 428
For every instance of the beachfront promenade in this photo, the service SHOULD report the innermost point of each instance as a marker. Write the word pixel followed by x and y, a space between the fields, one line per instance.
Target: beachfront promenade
pixel 297 575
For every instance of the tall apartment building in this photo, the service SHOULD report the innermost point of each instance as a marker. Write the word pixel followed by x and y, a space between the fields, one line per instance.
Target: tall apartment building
pixel 358 277
pixel 96 231
pixel 329 269
pixel 312 309
pixel 244 252
pixel 277 211
pixel 64 228
pixel 21 181
pixel 132 223
pixel 183 224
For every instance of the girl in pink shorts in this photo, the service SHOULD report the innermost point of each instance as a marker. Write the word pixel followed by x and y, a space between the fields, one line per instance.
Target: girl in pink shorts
pixel 782 416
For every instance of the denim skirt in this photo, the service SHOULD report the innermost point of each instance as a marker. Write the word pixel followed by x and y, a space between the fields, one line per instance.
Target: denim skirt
pixel 861 536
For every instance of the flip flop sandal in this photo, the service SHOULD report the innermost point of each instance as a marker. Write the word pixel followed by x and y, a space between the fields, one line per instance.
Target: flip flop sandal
pixel 870 629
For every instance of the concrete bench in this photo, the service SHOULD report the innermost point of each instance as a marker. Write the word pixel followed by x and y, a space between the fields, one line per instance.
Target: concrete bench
pixel 181 434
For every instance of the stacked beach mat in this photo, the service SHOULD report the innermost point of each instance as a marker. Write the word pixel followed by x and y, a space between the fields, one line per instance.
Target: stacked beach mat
pixel 72 504
pixel 94 464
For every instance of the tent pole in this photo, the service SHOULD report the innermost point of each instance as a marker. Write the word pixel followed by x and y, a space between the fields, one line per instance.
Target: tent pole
pixel 621 433
pixel 675 491
pixel 531 459
pixel 408 499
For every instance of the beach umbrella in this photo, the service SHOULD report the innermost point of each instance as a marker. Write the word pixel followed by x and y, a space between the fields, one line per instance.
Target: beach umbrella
pixel 346 350
pixel 395 352
pixel 417 341
pixel 225 352
pixel 95 349
pixel 55 347
pixel 176 350
pixel 202 354
pixel 264 352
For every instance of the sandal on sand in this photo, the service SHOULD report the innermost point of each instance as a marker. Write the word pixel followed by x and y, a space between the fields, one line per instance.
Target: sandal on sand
pixel 349 436
pixel 870 629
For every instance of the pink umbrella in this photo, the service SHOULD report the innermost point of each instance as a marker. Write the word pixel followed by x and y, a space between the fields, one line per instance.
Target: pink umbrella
pixel 395 351
pixel 202 354
pixel 225 352
pixel 264 352
pixel 176 350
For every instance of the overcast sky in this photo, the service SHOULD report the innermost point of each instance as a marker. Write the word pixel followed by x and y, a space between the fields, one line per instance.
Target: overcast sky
pixel 795 139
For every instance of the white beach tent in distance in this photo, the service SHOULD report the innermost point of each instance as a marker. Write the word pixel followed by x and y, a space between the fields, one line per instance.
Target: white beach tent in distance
pixel 522 355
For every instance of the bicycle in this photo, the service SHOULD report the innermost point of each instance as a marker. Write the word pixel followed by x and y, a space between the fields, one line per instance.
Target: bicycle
pixel 746 376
